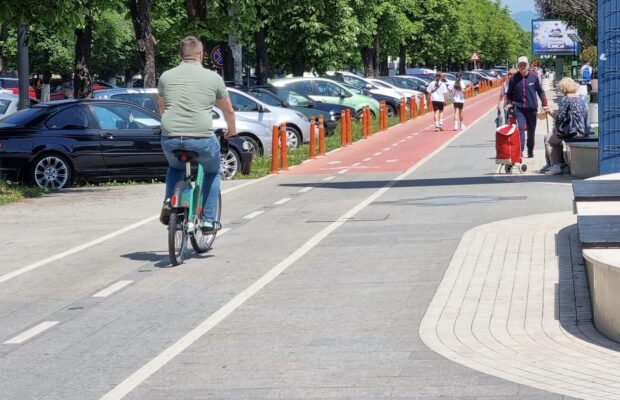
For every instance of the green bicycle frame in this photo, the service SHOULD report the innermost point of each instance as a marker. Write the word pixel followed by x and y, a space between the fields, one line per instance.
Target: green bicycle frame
pixel 191 194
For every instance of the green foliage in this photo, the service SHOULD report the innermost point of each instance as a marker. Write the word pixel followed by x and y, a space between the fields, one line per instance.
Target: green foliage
pixel 114 47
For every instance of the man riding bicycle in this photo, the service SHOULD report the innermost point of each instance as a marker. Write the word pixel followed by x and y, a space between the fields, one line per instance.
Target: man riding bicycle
pixel 187 94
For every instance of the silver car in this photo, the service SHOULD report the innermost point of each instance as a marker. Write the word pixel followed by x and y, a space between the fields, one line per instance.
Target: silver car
pixel 256 134
pixel 9 102
pixel 250 108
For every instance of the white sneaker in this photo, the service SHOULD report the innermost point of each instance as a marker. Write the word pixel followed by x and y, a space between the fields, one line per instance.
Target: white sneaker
pixel 462 126
pixel 456 126
pixel 554 170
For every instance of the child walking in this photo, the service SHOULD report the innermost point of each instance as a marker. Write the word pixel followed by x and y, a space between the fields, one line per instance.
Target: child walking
pixel 437 90
pixel 458 98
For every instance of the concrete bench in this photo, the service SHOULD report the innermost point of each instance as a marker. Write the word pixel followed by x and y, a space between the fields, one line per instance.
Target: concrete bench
pixel 582 157
pixel 597 204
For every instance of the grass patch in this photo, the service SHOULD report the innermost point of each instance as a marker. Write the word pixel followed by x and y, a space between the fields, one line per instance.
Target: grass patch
pixel 11 194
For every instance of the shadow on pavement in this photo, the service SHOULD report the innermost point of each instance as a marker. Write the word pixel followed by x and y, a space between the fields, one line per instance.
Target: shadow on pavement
pixel 490 179
pixel 161 259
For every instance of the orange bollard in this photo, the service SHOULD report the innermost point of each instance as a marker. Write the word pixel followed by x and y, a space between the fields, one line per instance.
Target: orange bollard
pixel 403 110
pixel 349 130
pixel 430 106
pixel 364 122
pixel 383 116
pixel 321 135
pixel 368 121
pixel 412 108
pixel 422 105
pixel 275 136
pixel 343 127
pixel 283 147
pixel 312 137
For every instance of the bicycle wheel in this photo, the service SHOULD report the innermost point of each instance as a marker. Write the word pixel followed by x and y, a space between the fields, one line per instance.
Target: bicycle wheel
pixel 201 243
pixel 177 238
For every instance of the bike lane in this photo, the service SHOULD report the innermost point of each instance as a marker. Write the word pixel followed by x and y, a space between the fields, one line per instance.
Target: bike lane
pixel 399 147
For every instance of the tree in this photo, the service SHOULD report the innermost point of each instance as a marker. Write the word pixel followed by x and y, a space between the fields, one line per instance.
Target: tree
pixel 140 11
pixel 114 46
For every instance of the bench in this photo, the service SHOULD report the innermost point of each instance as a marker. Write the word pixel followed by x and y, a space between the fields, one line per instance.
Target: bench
pixel 597 204
pixel 582 156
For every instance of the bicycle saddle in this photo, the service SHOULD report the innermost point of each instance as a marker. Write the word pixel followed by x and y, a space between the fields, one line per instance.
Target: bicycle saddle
pixel 185 156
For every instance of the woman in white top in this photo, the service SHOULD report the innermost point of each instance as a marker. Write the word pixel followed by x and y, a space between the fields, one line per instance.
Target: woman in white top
pixel 437 91
pixel 458 97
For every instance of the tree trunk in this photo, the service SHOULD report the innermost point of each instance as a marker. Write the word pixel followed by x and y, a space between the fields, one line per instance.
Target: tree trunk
pixel 402 60
pixel 367 57
pixel 299 64
pixel 82 76
pixel 384 67
pixel 229 62
pixel 140 11
pixel 375 58
pixel 262 58
pixel 196 10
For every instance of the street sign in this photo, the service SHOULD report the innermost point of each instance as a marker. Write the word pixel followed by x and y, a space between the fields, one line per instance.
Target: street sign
pixel 217 58
pixel 474 57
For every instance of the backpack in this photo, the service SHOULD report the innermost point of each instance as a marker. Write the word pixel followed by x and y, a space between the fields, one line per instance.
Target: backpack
pixel 567 124
pixel 587 76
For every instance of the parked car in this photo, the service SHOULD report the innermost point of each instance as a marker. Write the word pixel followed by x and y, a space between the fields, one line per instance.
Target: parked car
pixel 253 109
pixel 52 144
pixel 12 84
pixel 273 99
pixel 390 96
pixel 408 93
pixel 255 134
pixel 466 83
pixel 328 91
pixel 406 82
pixel 392 103
pixel 58 87
pixel 9 103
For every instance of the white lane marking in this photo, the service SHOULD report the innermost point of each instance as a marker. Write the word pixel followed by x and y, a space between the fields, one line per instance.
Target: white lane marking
pixel 142 374
pixel 74 250
pixel 391 161
pixel 306 189
pixel 395 144
pixel 282 201
pixel 253 214
pixel 402 141
pixel 357 164
pixel 334 162
pixel 367 159
pixel 409 137
pixel 377 154
pixel 387 149
pixel 416 134
pixel 223 231
pixel 22 337
pixel 343 171
pixel 329 178
pixel 30 267
pixel 111 289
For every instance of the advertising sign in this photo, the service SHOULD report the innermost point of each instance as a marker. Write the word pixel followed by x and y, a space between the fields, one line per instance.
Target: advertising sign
pixel 553 37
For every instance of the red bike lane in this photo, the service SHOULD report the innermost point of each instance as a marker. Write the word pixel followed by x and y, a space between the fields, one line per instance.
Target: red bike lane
pixel 399 147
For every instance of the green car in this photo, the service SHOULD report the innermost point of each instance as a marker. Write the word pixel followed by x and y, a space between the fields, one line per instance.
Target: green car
pixel 328 91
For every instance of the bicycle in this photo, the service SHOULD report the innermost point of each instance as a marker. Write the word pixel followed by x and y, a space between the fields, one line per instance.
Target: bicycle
pixel 186 209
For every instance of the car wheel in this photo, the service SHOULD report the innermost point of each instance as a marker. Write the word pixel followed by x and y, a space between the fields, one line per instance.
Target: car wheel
pixel 391 111
pixel 50 171
pixel 255 147
pixel 230 162
pixel 293 138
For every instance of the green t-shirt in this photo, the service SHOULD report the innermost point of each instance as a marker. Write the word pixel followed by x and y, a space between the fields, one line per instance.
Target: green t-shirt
pixel 190 92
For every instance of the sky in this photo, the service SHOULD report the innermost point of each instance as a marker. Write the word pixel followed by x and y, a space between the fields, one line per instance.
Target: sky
pixel 520 5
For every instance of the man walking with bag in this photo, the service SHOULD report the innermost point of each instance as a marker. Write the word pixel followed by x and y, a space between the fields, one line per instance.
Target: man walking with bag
pixel 523 89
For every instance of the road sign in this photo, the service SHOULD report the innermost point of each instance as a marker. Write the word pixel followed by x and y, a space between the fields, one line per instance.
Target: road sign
pixel 217 58
pixel 474 57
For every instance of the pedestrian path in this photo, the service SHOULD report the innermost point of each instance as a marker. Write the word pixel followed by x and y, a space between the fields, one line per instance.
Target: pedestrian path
pixel 514 303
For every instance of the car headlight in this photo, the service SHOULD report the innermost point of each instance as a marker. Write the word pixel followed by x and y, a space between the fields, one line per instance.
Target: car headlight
pixel 332 116
pixel 245 146
pixel 302 116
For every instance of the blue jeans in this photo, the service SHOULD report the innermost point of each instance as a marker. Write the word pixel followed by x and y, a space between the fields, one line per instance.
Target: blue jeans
pixel 208 150
pixel 526 120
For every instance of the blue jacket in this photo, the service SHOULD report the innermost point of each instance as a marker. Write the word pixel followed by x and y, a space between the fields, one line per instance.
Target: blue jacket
pixel 522 91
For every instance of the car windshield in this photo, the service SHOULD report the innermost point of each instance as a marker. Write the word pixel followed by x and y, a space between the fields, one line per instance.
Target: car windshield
pixel 294 99
pixel 382 84
pixel 267 97
pixel 22 118
pixel 4 105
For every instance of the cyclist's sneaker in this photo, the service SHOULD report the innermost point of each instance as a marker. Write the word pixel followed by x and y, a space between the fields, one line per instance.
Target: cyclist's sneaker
pixel 209 228
pixel 164 216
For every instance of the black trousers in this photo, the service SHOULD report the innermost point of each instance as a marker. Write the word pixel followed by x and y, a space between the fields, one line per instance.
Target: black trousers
pixel 526 121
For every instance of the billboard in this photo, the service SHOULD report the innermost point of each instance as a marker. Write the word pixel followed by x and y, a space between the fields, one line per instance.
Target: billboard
pixel 553 37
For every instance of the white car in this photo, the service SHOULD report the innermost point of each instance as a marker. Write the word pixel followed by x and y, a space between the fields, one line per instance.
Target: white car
pixel 256 134
pixel 9 102
pixel 402 92
pixel 365 84
pixel 250 108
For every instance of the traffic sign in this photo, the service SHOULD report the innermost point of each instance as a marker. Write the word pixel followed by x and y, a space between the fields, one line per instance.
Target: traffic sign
pixel 474 57
pixel 217 58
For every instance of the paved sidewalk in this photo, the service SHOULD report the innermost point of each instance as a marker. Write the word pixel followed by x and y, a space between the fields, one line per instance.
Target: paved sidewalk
pixel 514 303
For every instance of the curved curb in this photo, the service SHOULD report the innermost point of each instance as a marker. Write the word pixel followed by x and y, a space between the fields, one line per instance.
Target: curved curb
pixel 514 303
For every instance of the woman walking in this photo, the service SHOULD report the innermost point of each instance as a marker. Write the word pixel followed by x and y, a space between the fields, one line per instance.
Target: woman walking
pixel 437 91
pixel 458 98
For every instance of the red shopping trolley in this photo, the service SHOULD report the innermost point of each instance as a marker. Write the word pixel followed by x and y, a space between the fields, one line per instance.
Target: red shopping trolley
pixel 508 146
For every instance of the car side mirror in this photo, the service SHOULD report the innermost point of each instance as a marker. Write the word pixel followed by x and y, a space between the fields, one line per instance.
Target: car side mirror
pixel 368 86
pixel 422 88
pixel 262 109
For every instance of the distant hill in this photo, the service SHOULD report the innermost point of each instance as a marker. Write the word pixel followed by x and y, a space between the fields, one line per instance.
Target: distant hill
pixel 524 18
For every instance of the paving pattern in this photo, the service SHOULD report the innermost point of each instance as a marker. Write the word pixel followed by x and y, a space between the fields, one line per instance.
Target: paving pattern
pixel 514 303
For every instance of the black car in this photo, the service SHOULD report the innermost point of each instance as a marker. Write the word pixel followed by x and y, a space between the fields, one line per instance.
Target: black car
pixel 52 144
